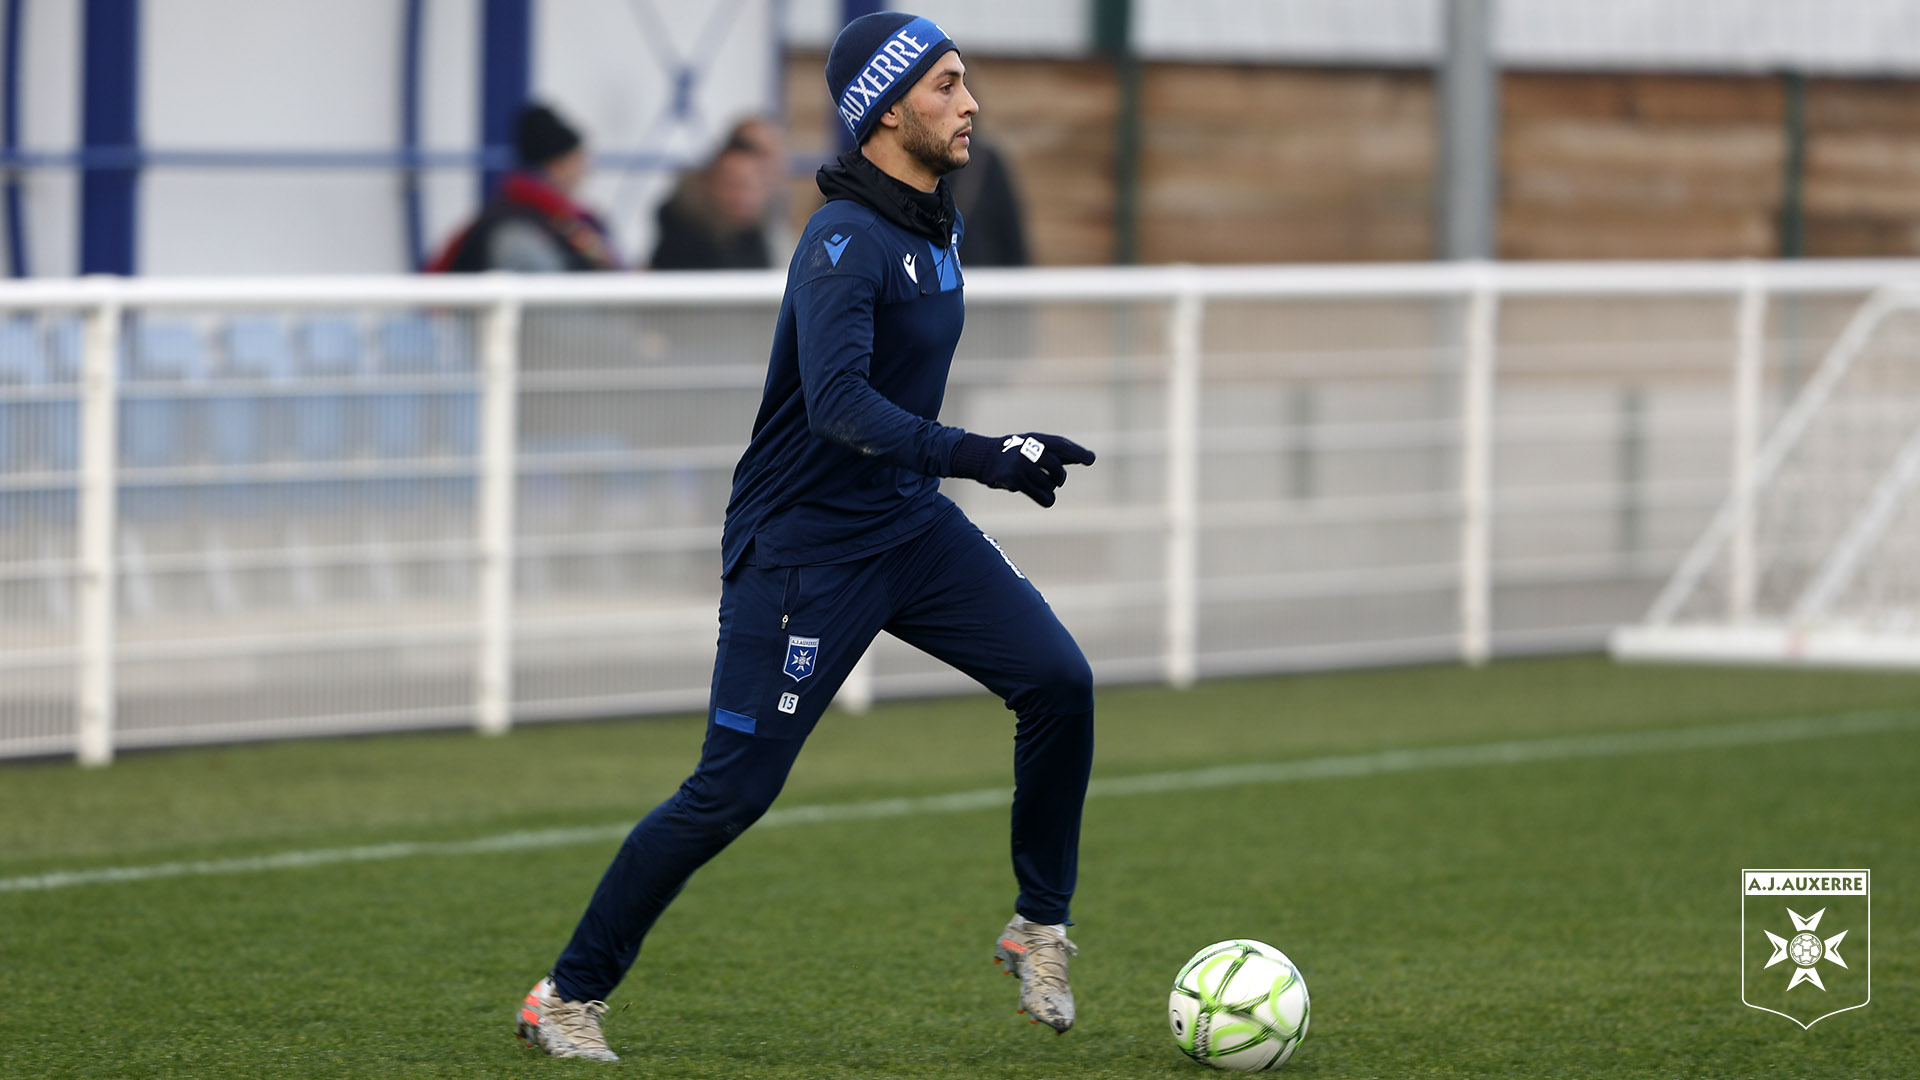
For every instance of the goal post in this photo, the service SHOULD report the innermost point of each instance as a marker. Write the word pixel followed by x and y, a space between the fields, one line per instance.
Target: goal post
pixel 1814 556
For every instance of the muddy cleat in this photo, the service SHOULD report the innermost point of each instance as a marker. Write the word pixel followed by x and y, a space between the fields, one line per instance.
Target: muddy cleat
pixel 1037 954
pixel 566 1029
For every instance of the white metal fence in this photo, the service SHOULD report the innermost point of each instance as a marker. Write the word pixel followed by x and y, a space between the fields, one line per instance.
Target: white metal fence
pixel 245 509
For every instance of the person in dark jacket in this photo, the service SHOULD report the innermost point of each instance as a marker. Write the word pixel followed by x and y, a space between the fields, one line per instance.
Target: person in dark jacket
pixel 716 217
pixel 534 225
pixel 985 194
pixel 836 530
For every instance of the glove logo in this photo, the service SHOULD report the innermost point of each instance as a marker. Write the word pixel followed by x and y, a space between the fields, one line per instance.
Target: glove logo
pixel 1030 447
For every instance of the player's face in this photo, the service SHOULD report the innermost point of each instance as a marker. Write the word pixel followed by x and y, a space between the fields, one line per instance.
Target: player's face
pixel 936 117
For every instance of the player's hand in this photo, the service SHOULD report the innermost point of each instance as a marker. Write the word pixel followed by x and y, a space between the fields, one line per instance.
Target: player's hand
pixel 1033 464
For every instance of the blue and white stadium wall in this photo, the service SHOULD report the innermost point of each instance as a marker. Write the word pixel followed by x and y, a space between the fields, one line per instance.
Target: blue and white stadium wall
pixel 351 136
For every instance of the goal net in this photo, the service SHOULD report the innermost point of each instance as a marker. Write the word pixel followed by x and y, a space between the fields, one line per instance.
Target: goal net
pixel 1815 555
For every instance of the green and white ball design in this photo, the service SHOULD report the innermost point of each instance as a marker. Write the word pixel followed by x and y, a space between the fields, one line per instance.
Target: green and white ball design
pixel 1239 1005
pixel 1805 949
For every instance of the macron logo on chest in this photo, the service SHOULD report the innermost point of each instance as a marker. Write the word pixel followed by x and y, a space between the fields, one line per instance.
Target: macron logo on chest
pixel 835 244
pixel 913 273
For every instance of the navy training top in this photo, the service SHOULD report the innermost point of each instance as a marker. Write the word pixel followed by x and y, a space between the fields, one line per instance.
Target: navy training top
pixel 846 453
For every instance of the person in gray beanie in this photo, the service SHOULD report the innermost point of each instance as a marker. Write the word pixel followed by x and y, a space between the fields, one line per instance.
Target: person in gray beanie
pixel 837 530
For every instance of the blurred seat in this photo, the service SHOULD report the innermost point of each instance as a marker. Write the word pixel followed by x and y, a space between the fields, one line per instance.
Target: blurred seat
pixel 259 348
pixel 330 348
pixel 241 427
pixel 410 345
pixel 415 344
pixel 164 356
pixel 64 338
pixel 62 418
pixel 21 367
pixel 44 356
pixel 407 347
pixel 20 359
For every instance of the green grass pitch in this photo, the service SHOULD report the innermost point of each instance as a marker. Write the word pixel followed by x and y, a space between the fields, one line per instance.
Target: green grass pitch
pixel 1566 918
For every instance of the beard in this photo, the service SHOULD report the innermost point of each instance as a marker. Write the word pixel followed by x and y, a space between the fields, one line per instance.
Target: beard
pixel 924 144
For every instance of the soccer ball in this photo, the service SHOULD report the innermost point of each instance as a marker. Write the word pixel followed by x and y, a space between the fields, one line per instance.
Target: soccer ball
pixel 1239 1005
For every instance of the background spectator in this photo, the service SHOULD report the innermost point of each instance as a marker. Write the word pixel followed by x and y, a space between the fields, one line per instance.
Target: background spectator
pixel 769 141
pixel 534 225
pixel 716 218
pixel 987 199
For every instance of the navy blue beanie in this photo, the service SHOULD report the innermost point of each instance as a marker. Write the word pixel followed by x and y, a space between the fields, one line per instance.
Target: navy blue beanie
pixel 875 61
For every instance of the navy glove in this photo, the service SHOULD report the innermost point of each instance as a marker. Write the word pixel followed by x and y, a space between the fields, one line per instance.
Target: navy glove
pixel 1032 464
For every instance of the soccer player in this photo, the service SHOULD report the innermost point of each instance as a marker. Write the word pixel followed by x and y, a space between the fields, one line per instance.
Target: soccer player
pixel 836 530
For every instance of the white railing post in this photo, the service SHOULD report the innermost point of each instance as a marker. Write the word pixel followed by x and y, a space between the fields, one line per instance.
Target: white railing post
pixel 1476 476
pixel 499 476
pixel 1183 484
pixel 99 481
pixel 1749 340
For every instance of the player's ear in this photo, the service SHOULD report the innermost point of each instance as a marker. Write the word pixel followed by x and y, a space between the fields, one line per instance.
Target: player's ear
pixel 891 118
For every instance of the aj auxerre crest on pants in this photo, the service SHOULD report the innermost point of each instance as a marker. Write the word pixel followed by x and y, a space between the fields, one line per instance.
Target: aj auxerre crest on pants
pixel 790 635
pixel 1806 942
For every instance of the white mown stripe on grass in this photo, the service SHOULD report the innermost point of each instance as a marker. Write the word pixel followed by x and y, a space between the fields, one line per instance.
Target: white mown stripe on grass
pixel 1339 766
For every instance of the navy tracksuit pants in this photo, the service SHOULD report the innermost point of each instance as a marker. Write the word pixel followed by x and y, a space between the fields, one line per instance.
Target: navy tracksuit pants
pixel 788 638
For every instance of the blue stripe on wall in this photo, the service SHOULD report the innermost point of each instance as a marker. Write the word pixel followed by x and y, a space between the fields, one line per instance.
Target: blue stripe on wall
pixel 10 139
pixel 410 133
pixel 110 112
pixel 506 78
